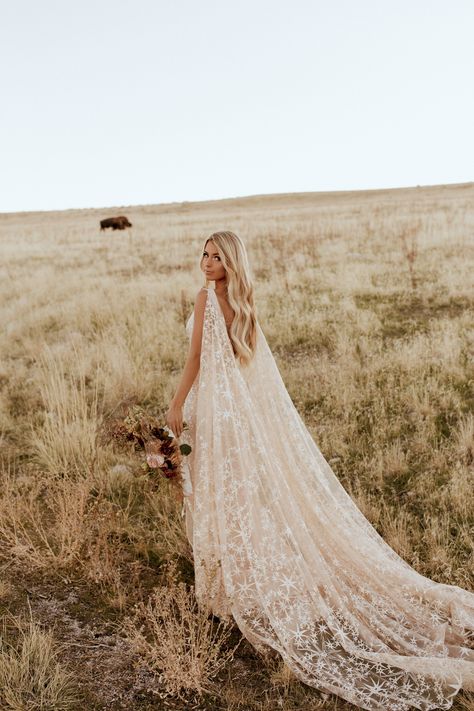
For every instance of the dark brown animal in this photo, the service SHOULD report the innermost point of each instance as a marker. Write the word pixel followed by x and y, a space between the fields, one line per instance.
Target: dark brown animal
pixel 116 223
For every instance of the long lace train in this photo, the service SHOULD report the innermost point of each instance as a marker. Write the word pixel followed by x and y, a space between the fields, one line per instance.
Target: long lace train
pixel 280 545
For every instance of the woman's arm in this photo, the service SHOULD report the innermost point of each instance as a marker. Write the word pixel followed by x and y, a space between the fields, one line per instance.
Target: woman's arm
pixel 191 369
pixel 174 416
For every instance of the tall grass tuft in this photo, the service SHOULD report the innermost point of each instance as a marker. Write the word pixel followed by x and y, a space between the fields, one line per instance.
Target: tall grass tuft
pixel 31 676
pixel 67 440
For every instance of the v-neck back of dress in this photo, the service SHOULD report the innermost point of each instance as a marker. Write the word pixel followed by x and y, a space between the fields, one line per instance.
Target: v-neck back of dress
pixel 190 321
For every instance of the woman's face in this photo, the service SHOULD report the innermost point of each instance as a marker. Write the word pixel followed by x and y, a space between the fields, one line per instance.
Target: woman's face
pixel 211 263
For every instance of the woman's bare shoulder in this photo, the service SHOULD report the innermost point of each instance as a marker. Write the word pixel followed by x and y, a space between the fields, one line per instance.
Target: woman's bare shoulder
pixel 200 301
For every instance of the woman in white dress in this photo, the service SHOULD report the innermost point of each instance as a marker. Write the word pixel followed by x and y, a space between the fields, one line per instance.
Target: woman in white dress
pixel 279 544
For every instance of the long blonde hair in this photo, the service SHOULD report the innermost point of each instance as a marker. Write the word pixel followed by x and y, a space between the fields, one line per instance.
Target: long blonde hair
pixel 243 331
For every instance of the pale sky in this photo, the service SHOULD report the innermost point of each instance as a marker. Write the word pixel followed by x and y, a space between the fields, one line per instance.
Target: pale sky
pixel 131 102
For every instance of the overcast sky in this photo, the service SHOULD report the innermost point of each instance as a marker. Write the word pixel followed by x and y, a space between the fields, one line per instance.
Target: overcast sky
pixel 124 102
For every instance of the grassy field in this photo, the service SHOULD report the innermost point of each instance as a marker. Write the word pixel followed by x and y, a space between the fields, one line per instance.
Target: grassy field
pixel 367 301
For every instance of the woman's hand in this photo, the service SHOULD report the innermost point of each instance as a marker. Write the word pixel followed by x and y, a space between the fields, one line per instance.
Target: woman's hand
pixel 174 419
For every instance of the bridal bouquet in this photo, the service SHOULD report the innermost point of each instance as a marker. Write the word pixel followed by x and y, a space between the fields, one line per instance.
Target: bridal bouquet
pixel 162 453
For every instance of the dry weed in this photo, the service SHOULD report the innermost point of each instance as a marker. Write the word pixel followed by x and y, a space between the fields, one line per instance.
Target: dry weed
pixel 31 676
pixel 177 640
pixel 61 525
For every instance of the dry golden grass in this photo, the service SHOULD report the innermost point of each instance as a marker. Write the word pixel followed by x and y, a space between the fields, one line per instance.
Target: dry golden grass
pixel 367 301
pixel 178 640
pixel 31 677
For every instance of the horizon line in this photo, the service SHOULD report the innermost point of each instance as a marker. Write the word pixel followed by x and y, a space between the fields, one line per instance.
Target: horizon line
pixel 188 203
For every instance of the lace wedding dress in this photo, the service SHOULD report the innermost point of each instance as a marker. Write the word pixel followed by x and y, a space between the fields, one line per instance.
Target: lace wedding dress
pixel 280 545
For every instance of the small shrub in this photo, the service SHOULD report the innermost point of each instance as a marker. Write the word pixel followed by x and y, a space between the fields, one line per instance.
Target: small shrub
pixel 177 640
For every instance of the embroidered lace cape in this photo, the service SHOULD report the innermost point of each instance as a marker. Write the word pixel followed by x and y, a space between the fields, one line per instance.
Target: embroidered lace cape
pixel 280 545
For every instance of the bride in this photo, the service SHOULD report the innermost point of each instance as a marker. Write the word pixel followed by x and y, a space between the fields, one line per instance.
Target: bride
pixel 279 544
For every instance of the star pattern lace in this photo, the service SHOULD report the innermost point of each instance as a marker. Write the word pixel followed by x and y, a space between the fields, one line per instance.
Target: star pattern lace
pixel 280 545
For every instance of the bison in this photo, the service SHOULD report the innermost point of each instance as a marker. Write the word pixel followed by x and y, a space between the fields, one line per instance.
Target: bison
pixel 116 223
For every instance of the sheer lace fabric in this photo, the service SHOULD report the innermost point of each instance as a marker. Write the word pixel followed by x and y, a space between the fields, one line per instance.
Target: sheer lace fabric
pixel 280 545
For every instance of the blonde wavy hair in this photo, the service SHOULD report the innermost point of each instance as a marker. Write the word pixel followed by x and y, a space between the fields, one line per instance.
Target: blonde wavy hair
pixel 233 254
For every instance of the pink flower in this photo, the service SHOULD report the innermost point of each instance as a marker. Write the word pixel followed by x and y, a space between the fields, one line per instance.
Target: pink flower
pixel 155 460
